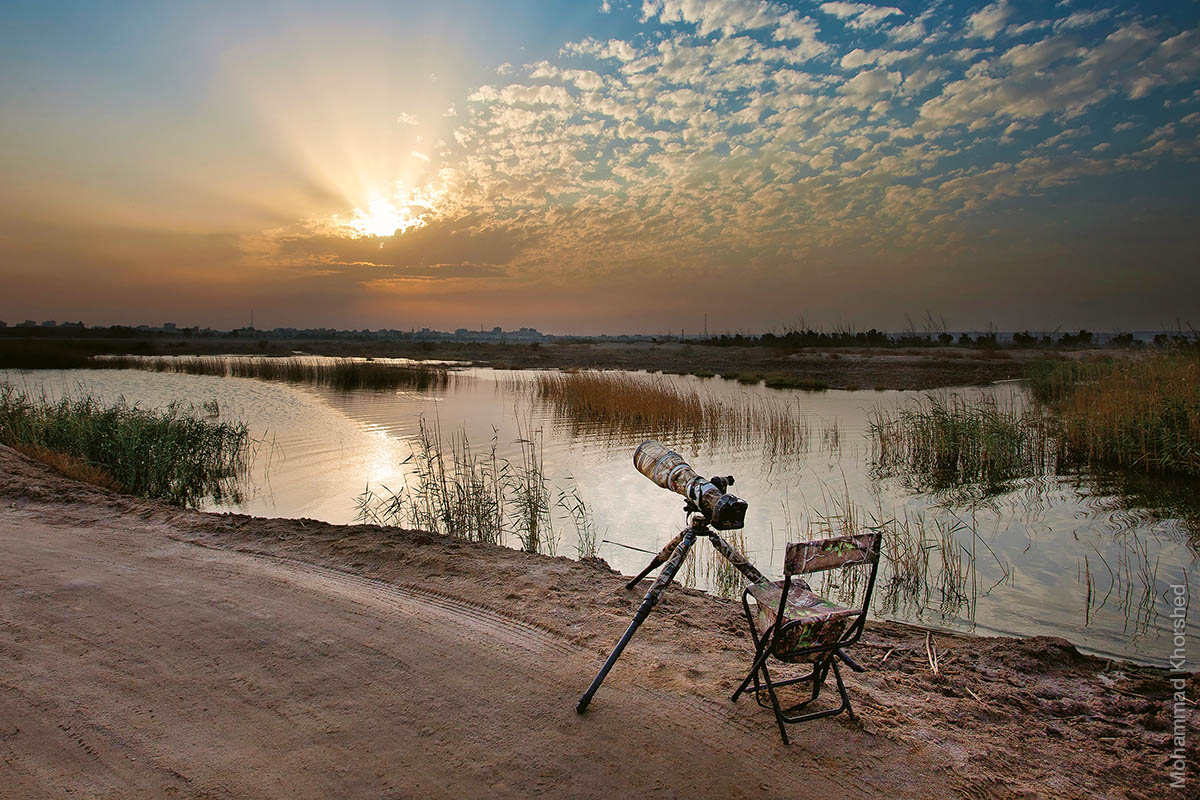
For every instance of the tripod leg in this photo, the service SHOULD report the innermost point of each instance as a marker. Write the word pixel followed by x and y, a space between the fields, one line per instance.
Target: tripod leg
pixel 736 559
pixel 662 556
pixel 686 539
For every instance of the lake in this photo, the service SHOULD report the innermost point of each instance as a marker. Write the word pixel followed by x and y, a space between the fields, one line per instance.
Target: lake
pixel 1051 556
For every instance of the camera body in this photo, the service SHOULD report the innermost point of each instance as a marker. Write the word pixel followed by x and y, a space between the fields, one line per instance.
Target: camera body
pixel 707 496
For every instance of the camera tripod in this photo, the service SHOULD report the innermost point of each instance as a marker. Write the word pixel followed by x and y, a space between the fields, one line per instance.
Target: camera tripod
pixel 672 556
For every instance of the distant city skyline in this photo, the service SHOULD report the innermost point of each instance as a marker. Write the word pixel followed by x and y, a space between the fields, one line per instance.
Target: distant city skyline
pixel 930 330
pixel 600 166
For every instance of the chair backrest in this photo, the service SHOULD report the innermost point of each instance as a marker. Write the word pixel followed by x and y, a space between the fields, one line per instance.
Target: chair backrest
pixel 839 551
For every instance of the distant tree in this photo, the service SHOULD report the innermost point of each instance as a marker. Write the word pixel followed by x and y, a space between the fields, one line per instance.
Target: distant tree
pixel 1122 340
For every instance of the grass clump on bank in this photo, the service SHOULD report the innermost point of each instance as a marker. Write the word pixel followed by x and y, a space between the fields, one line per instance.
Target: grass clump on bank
pixel 947 443
pixel 340 374
pixel 477 496
pixel 1135 415
pixel 165 455
pixel 783 380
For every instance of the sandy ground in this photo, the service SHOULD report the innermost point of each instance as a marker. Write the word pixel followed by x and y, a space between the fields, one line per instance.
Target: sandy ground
pixel 152 652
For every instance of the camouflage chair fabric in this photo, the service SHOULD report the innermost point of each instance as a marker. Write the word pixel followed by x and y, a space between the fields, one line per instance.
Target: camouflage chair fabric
pixel 792 623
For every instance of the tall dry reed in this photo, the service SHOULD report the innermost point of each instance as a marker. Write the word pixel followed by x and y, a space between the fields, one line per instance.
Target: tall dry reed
pixel 632 406
pixel 341 374
pixel 1138 415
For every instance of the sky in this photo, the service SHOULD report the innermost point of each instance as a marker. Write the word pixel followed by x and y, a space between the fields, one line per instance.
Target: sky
pixel 591 167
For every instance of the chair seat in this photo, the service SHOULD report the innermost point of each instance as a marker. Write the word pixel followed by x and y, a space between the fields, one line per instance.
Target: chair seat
pixel 809 620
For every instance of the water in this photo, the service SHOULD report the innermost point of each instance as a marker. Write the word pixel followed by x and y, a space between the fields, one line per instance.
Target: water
pixel 1048 557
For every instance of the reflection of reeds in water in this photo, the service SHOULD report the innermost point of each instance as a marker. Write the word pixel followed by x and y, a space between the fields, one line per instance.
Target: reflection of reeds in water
pixel 478 497
pixel 170 455
pixel 627 406
pixel 1132 582
pixel 948 443
pixel 341 374
pixel 927 565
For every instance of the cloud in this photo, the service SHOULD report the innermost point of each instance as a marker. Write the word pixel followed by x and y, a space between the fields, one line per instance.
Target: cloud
pixel 725 16
pixel 729 132
pixel 860 15
pixel 1082 19
pixel 989 21
pixel 908 32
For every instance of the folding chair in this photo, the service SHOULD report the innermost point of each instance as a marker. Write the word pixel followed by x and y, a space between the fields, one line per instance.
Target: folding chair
pixel 791 623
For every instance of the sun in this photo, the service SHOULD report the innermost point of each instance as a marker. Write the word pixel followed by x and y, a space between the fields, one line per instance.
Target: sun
pixel 407 209
pixel 382 217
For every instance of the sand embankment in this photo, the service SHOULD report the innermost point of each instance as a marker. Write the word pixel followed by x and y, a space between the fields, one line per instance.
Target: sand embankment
pixel 152 652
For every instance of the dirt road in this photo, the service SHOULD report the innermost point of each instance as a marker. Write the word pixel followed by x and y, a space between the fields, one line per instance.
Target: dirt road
pixel 138 666
pixel 151 652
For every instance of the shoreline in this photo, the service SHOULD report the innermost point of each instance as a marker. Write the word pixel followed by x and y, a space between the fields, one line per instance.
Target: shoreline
pixel 1008 715
pixel 913 368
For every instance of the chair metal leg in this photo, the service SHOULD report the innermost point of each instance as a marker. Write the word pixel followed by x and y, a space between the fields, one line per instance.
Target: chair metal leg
pixel 779 719
pixel 760 658
pixel 837 674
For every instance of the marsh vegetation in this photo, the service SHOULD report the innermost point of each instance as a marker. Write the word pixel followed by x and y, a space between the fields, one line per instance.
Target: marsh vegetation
pixel 1138 415
pixel 460 491
pixel 1128 427
pixel 952 443
pixel 173 455
pixel 631 406
pixel 336 373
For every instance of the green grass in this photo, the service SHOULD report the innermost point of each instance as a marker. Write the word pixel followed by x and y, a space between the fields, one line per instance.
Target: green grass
pixel 474 495
pixel 947 443
pixel 783 380
pixel 168 455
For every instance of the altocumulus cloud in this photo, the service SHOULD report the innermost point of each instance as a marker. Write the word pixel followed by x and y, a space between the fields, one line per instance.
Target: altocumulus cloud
pixel 766 133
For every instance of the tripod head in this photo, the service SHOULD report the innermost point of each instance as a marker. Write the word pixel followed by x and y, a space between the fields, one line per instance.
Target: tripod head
pixel 707 497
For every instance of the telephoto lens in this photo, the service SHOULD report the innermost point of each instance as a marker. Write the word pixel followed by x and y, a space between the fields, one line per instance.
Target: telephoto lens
pixel 667 468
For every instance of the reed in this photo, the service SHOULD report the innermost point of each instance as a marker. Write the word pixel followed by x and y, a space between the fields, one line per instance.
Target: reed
pixel 1134 415
pixel 629 406
pixel 928 561
pixel 169 455
pixel 476 496
pixel 340 374
pixel 587 538
pixel 946 443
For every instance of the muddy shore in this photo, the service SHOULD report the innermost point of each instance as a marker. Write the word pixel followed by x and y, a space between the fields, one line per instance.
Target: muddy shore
pixel 82 570
pixel 836 367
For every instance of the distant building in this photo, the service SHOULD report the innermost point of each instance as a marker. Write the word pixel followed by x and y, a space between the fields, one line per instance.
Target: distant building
pixel 49 324
pixel 168 326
